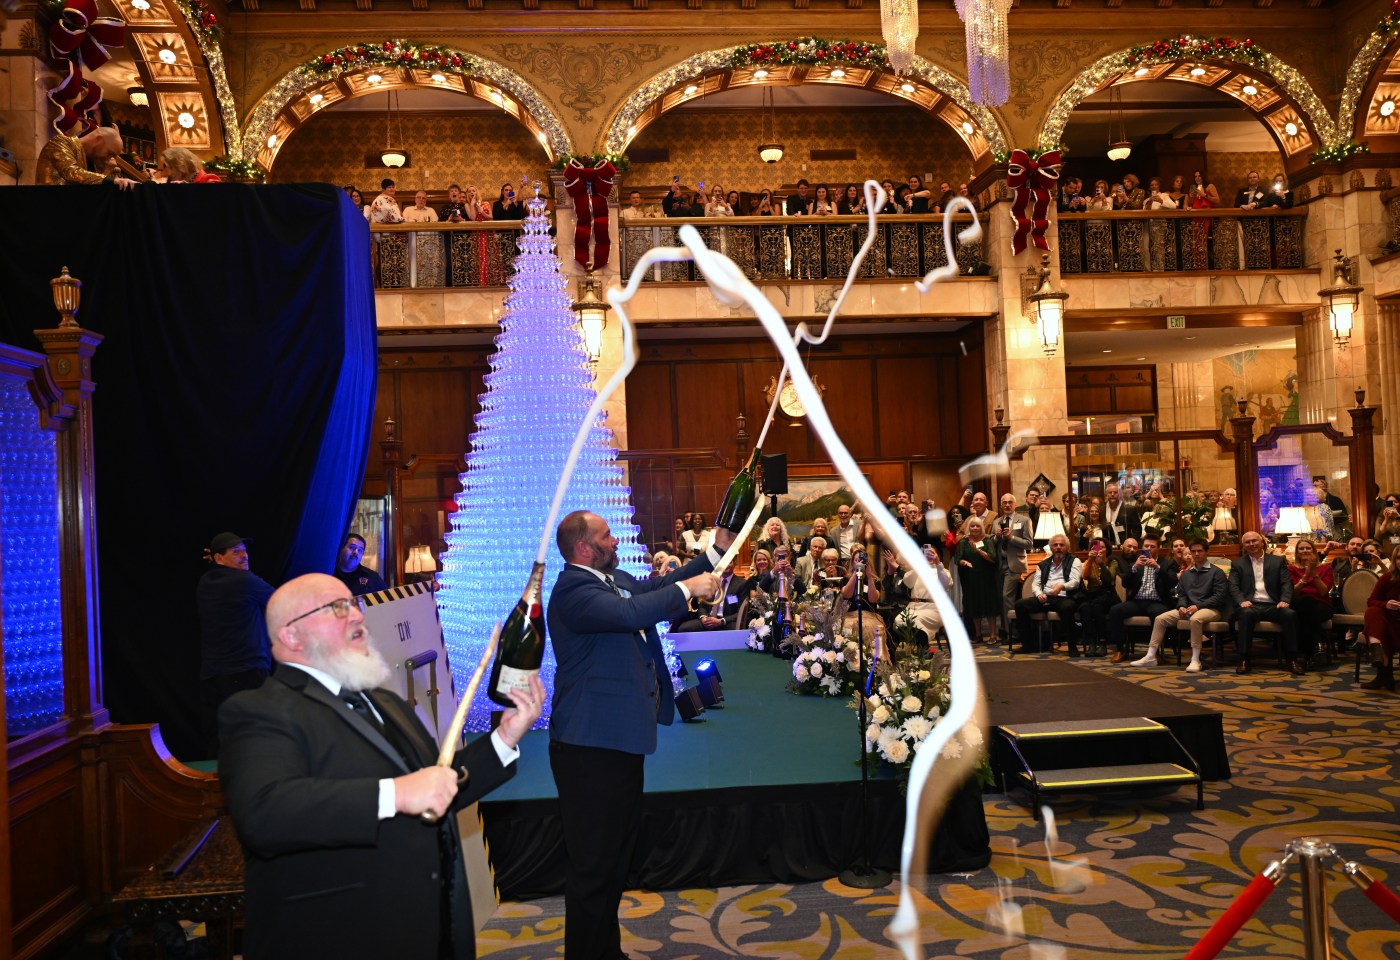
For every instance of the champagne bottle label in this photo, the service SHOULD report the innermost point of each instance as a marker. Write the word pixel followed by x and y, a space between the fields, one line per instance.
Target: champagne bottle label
pixel 514 679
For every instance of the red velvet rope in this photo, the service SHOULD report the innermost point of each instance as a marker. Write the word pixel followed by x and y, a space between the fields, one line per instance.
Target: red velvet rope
pixel 1232 919
pixel 1385 898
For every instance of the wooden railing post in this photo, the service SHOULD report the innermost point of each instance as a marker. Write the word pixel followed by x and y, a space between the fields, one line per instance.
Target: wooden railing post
pixel 1361 456
pixel 1000 431
pixel 391 454
pixel 70 349
pixel 1246 469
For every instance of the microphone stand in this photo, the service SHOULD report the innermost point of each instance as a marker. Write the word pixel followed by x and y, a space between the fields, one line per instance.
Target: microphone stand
pixel 862 875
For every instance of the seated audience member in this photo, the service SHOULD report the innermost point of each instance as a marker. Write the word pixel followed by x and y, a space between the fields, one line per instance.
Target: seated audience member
pixel 903 587
pixel 762 564
pixel 1343 566
pixel 1382 626
pixel 1262 590
pixel 658 563
pixel 1312 599
pixel 800 203
pixel 831 575
pixel 420 212
pixel 385 209
pixel 1372 558
pixel 792 585
pixel 182 166
pixel 1053 584
pixel 1071 199
pixel 806 565
pixel 1202 596
pixel 1279 194
pixel 697 538
pixel 774 535
pixel 1149 584
pixel 455 209
pixel 1096 595
pixel 723 612
pixel 354 574
pixel 508 207
pixel 819 529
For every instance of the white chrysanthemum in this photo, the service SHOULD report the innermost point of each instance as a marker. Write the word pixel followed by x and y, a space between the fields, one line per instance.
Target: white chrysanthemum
pixel 896 681
pixel 818 636
pixel 881 714
pixel 953 749
pixel 972 735
pixel 934 713
pixel 832 687
pixel 840 658
pixel 764 630
pixel 817 669
pixel 911 704
pixel 800 672
pixel 917 727
pixel 924 675
pixel 755 623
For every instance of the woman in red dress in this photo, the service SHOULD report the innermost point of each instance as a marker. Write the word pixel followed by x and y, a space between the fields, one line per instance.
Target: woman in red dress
pixel 1383 626
pixel 1203 196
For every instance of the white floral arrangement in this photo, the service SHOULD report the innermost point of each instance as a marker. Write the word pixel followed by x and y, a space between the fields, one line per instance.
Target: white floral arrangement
pixel 828 668
pixel 906 704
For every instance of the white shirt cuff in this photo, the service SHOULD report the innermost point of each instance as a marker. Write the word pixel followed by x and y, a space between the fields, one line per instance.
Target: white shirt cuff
pixel 714 556
pixel 507 755
pixel 388 801
pixel 685 592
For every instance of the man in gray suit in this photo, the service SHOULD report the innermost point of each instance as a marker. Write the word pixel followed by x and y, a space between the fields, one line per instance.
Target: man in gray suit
pixel 1262 590
pixel 1013 535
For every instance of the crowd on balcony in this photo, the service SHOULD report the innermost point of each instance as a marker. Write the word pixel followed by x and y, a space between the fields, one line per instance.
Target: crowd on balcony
pixel 462 206
pixel 1110 564
pixel 1199 194
pixel 806 200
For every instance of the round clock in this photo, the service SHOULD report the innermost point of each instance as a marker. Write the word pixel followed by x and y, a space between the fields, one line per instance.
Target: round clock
pixel 788 400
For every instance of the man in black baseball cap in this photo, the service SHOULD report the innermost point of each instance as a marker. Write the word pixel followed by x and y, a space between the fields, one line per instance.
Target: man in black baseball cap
pixel 235 650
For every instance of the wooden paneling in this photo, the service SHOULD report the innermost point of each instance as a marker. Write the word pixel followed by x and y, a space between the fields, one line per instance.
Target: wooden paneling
pixel 1111 391
pixel 47 851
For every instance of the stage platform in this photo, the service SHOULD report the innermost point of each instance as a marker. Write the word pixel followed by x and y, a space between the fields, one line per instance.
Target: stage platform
pixel 1028 690
pixel 765 789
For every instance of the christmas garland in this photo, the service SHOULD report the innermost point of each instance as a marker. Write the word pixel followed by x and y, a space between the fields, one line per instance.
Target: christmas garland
pixel 203 19
pixel 1035 153
pixel 1187 47
pixel 1391 21
pixel 389 53
pixel 236 168
pixel 1339 152
pixel 618 160
pixel 810 50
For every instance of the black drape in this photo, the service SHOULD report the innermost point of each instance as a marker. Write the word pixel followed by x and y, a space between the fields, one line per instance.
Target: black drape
pixel 235 389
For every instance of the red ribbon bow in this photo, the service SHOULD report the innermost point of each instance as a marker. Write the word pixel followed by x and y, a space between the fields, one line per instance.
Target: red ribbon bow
pixel 75 98
pixel 589 188
pixel 1030 182
pixel 81 36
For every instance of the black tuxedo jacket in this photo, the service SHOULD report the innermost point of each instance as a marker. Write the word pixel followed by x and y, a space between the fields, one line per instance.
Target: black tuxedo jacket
pixel 1256 195
pixel 325 876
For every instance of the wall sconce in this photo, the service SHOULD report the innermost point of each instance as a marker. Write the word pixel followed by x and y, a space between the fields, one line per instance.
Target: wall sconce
pixel 592 315
pixel 1341 299
pixel 1048 308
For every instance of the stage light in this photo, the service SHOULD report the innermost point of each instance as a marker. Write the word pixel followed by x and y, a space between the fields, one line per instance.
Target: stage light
pixel 707 668
pixel 711 694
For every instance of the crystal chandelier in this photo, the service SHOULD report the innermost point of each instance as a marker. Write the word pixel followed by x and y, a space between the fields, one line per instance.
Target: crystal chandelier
pixel 988 50
pixel 899 24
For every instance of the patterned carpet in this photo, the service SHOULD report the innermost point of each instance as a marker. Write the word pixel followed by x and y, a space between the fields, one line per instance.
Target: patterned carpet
pixel 1312 756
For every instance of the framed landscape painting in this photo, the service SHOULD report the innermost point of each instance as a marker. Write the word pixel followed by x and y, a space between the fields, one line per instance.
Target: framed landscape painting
pixel 811 497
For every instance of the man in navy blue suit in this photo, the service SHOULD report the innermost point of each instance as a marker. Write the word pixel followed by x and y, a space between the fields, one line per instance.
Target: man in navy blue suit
pixel 611 689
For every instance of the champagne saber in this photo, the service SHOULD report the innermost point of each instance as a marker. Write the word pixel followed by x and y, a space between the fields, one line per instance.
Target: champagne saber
pixel 740 536
pixel 459 719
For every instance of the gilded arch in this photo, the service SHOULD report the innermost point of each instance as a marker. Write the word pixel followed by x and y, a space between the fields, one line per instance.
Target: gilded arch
pixel 308 88
pixel 925 85
pixel 1282 99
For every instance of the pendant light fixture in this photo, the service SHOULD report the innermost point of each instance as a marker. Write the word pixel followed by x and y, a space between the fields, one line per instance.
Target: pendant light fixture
pixel 1119 149
pixel 770 150
pixel 392 157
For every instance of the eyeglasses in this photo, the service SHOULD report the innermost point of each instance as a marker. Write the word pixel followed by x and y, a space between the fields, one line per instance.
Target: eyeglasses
pixel 340 607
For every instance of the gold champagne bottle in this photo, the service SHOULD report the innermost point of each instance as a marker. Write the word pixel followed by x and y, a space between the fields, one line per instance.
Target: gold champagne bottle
pixel 520 650
pixel 743 491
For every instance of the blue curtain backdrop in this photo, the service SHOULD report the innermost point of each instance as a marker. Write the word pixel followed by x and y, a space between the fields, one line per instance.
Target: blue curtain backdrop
pixel 235 390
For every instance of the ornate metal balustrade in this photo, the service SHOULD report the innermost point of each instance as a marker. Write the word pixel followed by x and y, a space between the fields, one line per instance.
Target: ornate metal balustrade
pixel 805 248
pixel 1168 241
pixel 408 255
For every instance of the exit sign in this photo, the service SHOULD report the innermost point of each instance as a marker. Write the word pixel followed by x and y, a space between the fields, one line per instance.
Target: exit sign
pixel 1176 323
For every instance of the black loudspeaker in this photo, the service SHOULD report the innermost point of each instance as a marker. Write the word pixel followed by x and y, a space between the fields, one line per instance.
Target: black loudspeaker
pixel 689 705
pixel 775 473
pixel 710 693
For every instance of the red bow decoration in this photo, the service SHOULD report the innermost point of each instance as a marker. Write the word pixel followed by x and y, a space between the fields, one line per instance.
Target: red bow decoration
pixel 589 188
pixel 81 37
pixel 1030 182
pixel 75 98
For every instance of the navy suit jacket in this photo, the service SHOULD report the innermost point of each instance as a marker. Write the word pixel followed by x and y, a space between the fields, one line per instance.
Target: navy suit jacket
pixel 612 686
pixel 1276 579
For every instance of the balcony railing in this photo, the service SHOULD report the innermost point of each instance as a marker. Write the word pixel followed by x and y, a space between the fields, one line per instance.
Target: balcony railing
pixel 409 255
pixel 1170 241
pixel 804 248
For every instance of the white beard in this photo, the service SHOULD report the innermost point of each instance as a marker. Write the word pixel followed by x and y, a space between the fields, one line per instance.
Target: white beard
pixel 356 669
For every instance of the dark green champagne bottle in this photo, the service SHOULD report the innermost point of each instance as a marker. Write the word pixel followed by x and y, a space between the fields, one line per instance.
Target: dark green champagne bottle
pixel 743 491
pixel 520 650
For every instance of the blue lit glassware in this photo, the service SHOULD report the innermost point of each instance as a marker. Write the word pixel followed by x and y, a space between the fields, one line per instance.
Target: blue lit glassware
pixel 30 601
pixel 539 388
